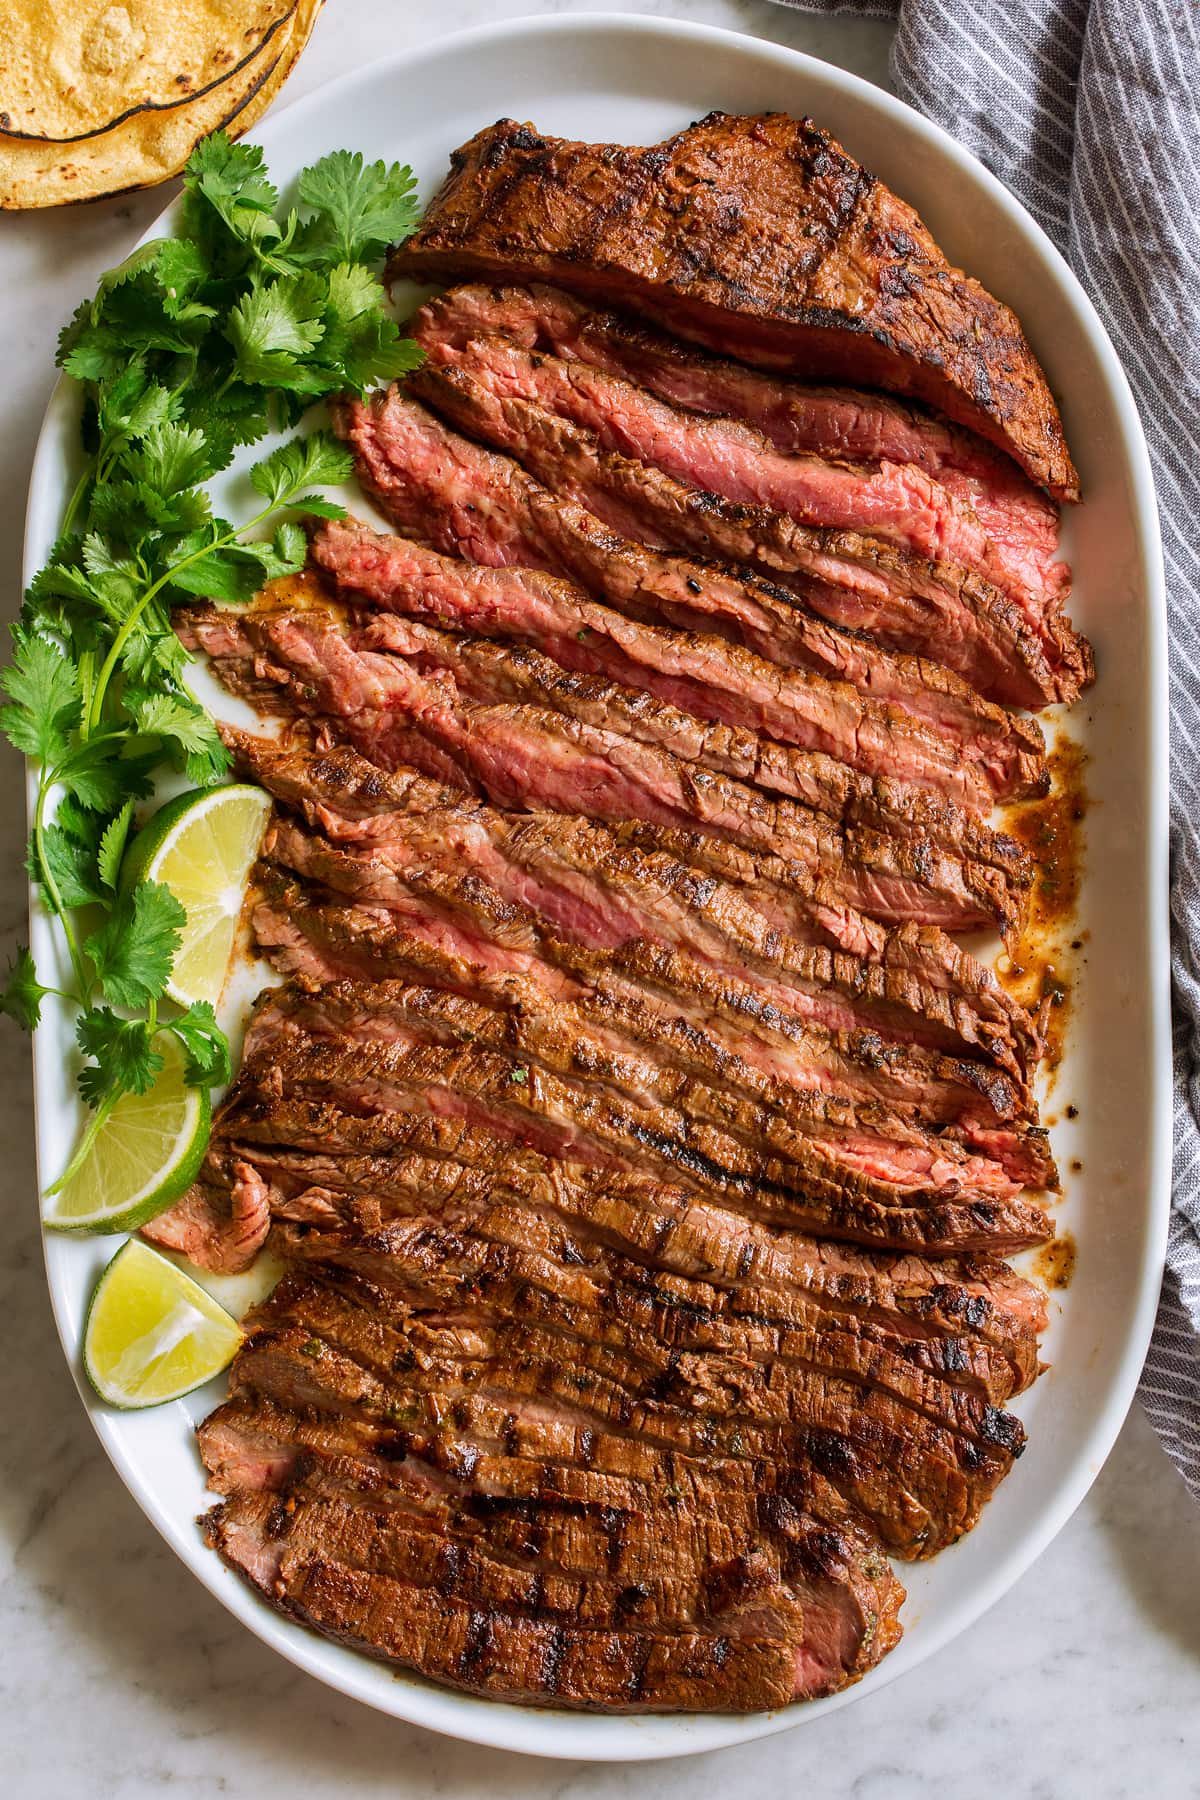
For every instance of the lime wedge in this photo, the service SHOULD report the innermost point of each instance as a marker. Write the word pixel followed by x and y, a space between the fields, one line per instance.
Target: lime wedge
pixel 202 846
pixel 152 1333
pixel 145 1154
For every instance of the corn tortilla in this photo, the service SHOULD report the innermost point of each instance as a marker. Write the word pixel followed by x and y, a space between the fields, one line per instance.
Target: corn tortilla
pixel 71 69
pixel 151 146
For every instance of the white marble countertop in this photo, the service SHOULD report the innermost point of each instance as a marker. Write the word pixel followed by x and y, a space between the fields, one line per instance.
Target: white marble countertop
pixel 120 1677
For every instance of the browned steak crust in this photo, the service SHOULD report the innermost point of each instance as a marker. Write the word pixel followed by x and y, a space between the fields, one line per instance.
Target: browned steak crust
pixel 756 235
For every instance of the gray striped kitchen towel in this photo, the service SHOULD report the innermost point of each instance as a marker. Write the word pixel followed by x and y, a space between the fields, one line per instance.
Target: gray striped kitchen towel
pixel 1089 110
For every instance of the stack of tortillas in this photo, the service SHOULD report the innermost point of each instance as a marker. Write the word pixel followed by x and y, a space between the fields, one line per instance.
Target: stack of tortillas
pixel 97 97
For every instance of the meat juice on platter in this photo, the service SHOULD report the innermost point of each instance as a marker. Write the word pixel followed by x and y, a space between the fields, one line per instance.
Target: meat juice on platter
pixel 643 1143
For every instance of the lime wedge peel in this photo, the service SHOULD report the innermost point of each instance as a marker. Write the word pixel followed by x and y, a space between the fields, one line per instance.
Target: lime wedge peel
pixel 152 1333
pixel 202 846
pixel 146 1153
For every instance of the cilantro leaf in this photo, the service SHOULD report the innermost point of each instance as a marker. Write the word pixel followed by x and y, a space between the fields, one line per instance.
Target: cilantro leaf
pixel 144 257
pixel 171 458
pixel 231 575
pixel 181 269
pixel 361 208
pixel 187 729
pixel 189 348
pixel 22 995
pixel 123 1053
pixel 205 1044
pixel 134 949
pixel 66 864
pixel 291 546
pixel 274 328
pixel 232 180
pixel 43 697
pixel 129 510
pixel 316 461
pixel 112 846
pixel 100 776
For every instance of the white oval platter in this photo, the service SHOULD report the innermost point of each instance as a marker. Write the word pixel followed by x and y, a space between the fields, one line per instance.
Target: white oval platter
pixel 634 80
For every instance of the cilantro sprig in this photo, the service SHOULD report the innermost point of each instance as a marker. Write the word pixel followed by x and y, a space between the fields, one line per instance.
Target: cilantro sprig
pixel 195 346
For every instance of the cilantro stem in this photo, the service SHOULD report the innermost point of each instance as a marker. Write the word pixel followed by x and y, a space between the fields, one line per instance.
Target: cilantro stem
pixel 77 493
pixel 46 780
pixel 91 720
pixel 90 1133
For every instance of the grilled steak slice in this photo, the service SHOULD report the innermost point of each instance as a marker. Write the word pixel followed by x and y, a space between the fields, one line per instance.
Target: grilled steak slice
pixel 758 236
pixel 666 999
pixel 436 1609
pixel 945 1312
pixel 915 1090
pixel 974 1324
pixel 279 644
pixel 489 1107
pixel 899 809
pixel 468 501
pixel 670 1335
pixel 899 504
pixel 928 609
pixel 771 1402
pixel 696 671
pixel 745 1125
pixel 524 1078
pixel 491 673
pixel 565 877
pixel 218 1227
pixel 844 424
pixel 521 756
pixel 350 803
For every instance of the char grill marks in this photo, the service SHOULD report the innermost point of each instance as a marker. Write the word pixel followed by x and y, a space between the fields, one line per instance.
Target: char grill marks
pixel 436 484
pixel 695 671
pixel 844 425
pixel 756 235
pixel 718 455
pixel 406 694
pixel 855 580
pixel 850 579
pixel 529 1053
pixel 531 881
pixel 641 1142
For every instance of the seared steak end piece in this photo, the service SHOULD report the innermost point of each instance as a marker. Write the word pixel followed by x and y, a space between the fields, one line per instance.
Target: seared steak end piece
pixel 756 235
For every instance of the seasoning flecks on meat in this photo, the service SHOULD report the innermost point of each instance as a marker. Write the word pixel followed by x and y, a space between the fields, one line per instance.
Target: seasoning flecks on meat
pixel 640 1140
pixel 758 236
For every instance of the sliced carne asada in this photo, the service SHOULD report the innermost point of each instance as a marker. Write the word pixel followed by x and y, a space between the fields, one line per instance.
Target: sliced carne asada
pixel 718 455
pixel 844 424
pixel 519 672
pixel 358 1100
pixel 612 1312
pixel 352 803
pixel 640 1147
pixel 527 756
pixel 768 1391
pixel 466 500
pixel 974 1324
pixel 914 1091
pixel 736 1123
pixel 660 1237
pixel 559 876
pixel 756 236
pixel 695 670
pixel 699 671
pixel 661 998
pixel 488 672
pixel 835 1621
pixel 936 610
pixel 841 1402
